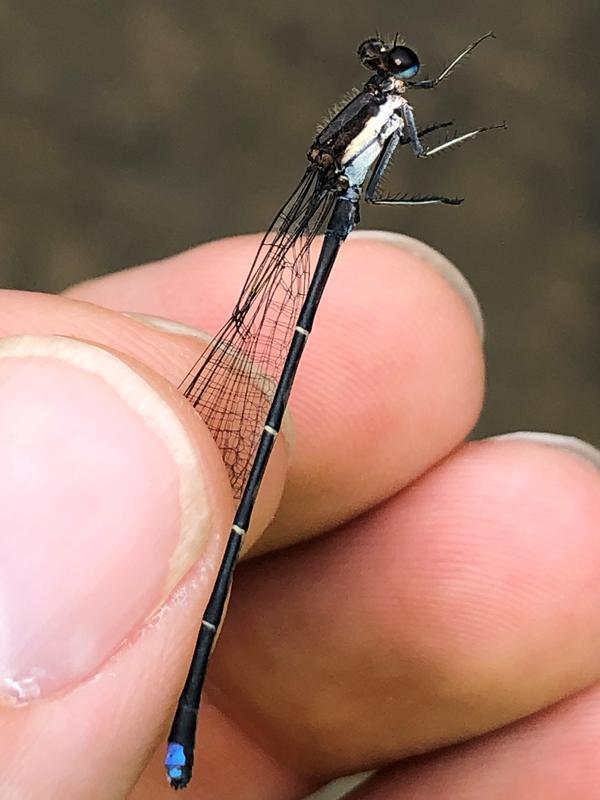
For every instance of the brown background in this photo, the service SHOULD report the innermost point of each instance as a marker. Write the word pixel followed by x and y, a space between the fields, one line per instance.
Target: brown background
pixel 131 130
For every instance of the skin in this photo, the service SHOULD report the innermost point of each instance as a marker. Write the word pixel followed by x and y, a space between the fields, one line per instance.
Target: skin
pixel 414 603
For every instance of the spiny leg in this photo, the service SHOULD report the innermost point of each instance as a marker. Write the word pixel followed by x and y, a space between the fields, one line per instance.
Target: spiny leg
pixel 412 135
pixel 388 151
pixel 397 200
pixel 431 84
pixel 386 154
pixel 465 137
pixel 430 129
pixel 424 200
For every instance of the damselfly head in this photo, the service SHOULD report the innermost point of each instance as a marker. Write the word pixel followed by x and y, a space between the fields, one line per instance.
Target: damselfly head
pixel 393 59
pixel 371 53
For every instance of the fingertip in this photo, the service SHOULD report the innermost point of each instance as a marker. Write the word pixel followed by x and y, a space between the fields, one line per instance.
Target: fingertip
pixel 98 463
pixel 113 491
pixel 560 442
pixel 427 255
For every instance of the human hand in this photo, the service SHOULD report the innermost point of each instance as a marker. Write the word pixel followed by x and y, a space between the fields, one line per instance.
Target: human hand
pixel 435 591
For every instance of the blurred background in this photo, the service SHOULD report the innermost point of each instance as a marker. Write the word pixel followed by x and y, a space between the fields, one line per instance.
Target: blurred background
pixel 135 129
pixel 132 130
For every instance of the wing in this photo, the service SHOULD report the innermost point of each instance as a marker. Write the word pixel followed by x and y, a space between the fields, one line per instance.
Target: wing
pixel 232 384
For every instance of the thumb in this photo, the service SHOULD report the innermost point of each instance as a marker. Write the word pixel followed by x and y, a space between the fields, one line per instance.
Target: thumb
pixel 112 491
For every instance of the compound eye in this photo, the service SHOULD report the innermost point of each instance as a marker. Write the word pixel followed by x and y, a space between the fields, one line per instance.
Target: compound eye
pixel 371 52
pixel 402 62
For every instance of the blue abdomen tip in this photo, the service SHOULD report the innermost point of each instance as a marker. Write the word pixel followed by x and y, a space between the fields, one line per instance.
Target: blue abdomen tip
pixel 175 758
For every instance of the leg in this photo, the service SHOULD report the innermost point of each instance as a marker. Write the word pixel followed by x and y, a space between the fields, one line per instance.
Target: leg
pixel 412 135
pixel 424 200
pixel 388 151
pixel 431 84
pixel 430 129
pixel 397 200
pixel 381 165
pixel 459 140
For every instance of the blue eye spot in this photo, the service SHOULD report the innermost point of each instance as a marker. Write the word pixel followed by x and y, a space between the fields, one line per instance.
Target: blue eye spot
pixel 410 72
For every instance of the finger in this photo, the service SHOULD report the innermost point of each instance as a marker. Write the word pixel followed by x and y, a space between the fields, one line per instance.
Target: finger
pixel 170 355
pixel 392 379
pixel 113 492
pixel 553 755
pixel 464 603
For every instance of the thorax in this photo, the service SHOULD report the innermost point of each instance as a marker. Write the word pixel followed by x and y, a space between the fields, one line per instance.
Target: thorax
pixel 353 139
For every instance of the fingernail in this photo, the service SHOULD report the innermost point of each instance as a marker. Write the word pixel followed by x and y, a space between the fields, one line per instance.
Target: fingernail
pixel 288 429
pixel 568 443
pixel 169 325
pixel 103 508
pixel 440 263
pixel 340 788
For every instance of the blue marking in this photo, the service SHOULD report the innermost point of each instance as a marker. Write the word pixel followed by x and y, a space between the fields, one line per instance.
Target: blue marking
pixel 410 73
pixel 175 773
pixel 175 757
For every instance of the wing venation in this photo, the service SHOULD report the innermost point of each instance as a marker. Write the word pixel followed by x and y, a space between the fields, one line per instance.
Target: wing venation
pixel 232 384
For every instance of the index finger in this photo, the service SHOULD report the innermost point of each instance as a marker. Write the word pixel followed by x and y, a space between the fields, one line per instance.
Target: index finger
pixel 392 379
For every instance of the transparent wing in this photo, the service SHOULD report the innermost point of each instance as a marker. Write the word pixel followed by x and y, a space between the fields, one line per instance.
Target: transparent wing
pixel 232 384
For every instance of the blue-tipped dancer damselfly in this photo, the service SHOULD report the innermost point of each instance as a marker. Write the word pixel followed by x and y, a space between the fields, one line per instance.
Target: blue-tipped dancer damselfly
pixel 242 383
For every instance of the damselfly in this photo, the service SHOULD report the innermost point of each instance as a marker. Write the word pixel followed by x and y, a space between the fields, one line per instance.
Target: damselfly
pixel 241 384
